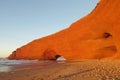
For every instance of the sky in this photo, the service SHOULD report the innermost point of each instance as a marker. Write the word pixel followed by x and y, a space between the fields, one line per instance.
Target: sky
pixel 22 21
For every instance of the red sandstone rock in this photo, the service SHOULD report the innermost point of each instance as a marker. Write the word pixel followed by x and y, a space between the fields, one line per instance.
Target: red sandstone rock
pixel 95 36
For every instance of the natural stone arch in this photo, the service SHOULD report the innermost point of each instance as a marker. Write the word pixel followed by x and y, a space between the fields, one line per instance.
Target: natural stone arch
pixel 49 54
pixel 105 17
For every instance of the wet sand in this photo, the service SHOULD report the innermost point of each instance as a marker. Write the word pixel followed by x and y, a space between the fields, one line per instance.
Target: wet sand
pixel 72 70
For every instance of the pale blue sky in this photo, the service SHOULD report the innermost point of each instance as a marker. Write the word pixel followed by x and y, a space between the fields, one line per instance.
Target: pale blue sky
pixel 22 21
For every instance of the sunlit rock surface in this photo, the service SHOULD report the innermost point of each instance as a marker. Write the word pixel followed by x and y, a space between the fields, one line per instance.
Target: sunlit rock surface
pixel 96 36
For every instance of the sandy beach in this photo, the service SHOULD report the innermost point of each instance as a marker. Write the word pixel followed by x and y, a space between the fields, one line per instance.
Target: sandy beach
pixel 72 70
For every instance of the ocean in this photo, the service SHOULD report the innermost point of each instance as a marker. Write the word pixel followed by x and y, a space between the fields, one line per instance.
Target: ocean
pixel 7 65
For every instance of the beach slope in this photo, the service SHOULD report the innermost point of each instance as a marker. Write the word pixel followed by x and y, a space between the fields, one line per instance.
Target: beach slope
pixel 72 70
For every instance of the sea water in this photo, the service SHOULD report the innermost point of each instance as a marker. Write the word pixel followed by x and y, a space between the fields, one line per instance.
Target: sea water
pixel 7 65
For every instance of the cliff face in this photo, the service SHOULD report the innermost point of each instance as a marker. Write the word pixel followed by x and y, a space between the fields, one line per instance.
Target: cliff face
pixel 95 36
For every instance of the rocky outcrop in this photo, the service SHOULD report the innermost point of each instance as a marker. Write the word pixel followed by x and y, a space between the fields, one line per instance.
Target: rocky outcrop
pixel 95 36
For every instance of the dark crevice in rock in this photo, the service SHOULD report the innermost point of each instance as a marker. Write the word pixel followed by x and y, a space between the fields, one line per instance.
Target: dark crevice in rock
pixel 57 56
pixel 107 35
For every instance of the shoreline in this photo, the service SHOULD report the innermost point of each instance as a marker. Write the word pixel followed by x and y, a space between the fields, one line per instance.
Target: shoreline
pixel 73 70
pixel 25 65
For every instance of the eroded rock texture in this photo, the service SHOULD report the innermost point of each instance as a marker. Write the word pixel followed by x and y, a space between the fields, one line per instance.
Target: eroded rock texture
pixel 95 36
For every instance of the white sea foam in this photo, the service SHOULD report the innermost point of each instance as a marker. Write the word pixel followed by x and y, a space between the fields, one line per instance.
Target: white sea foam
pixel 4 62
pixel 61 59
pixel 7 65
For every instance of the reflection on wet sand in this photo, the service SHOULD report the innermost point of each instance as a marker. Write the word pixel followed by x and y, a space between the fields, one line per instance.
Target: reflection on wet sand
pixel 5 68
pixel 40 64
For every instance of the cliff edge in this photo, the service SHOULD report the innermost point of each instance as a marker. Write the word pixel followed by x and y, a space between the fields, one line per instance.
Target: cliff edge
pixel 95 36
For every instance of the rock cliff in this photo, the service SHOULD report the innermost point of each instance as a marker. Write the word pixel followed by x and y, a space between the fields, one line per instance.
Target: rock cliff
pixel 95 36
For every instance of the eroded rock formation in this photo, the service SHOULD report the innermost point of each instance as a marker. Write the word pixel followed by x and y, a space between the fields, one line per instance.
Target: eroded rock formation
pixel 95 36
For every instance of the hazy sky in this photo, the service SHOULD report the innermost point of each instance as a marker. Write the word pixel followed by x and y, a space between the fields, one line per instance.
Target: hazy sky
pixel 22 21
